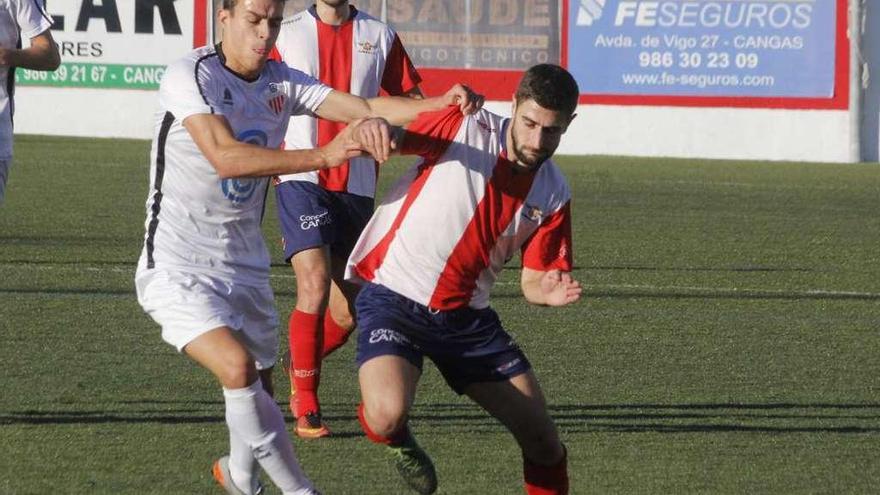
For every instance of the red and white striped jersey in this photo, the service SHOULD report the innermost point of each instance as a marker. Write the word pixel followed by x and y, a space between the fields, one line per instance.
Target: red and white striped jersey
pixel 449 225
pixel 360 57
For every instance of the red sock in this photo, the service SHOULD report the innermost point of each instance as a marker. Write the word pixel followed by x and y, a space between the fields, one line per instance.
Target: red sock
pixel 546 480
pixel 394 439
pixel 334 335
pixel 305 371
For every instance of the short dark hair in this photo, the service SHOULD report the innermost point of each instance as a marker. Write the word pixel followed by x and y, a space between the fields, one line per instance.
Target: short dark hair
pixel 550 86
pixel 230 4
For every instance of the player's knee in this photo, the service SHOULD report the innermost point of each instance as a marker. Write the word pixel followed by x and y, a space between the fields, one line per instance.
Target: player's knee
pixel 313 288
pixel 345 321
pixel 237 371
pixel 386 419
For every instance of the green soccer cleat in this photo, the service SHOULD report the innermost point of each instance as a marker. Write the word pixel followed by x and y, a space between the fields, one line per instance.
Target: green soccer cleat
pixel 414 466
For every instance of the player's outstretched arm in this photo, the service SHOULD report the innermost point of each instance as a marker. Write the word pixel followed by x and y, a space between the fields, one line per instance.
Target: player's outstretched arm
pixel 549 288
pixel 233 158
pixel 41 55
pixel 398 110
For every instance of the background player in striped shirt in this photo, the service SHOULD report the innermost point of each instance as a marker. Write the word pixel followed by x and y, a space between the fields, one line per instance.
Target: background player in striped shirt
pixel 322 213
pixel 203 274
pixel 19 18
pixel 485 188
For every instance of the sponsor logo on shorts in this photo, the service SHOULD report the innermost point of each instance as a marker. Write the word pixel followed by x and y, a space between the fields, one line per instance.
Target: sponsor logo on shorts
pixel 311 221
pixel 387 335
pixel 508 365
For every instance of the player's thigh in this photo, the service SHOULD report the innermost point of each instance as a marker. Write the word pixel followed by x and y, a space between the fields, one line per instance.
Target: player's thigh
pixel 389 364
pixel 186 305
pixel 519 404
pixel 190 305
pixel 259 329
pixel 388 387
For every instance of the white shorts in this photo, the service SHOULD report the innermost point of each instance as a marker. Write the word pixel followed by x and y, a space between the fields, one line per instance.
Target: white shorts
pixel 186 305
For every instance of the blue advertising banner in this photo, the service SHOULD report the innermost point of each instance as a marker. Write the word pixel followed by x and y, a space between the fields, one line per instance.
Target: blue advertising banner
pixel 727 48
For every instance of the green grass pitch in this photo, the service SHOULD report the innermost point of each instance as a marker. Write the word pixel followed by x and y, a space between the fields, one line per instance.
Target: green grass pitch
pixel 728 340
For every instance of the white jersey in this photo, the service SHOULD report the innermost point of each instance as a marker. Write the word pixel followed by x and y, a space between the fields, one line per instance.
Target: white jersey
pixel 197 221
pixel 449 225
pixel 361 56
pixel 19 19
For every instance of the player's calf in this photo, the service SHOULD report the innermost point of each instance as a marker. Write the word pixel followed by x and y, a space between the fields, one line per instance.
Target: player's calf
pixel 543 479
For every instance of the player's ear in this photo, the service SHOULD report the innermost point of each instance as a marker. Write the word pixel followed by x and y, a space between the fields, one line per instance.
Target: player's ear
pixel 223 14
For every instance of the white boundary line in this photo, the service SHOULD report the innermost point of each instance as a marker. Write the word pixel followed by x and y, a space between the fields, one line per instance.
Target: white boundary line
pixel 648 289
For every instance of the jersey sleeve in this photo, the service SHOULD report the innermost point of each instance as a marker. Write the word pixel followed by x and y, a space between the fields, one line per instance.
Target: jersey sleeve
pixel 32 18
pixel 549 248
pixel 306 92
pixel 400 74
pixel 184 89
pixel 431 133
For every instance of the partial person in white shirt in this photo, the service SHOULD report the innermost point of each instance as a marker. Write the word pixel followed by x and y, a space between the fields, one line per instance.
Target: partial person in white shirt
pixel 19 20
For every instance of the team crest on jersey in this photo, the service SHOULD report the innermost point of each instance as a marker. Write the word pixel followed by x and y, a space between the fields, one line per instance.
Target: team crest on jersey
pixel 275 97
pixel 227 97
pixel 532 212
pixel 366 47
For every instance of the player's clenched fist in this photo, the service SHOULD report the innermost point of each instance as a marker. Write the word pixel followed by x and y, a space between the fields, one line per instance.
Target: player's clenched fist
pixel 374 136
pixel 468 101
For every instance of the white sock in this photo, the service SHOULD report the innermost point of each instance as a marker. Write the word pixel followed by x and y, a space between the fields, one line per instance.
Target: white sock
pixel 243 467
pixel 255 418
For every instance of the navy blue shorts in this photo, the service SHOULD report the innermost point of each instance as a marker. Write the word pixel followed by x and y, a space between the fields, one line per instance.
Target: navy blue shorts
pixel 311 216
pixel 467 345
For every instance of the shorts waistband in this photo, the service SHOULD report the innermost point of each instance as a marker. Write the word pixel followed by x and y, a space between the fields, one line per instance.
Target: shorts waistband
pixel 417 305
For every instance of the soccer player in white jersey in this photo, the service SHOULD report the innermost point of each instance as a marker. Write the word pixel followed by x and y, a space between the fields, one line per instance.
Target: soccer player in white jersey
pixel 350 51
pixel 203 274
pixel 485 188
pixel 28 19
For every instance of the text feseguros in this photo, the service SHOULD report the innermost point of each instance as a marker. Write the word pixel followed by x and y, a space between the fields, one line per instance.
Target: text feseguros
pixel 752 15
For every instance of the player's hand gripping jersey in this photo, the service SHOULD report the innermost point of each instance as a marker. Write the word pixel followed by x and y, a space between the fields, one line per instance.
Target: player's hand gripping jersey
pixel 197 221
pixel 361 56
pixel 447 227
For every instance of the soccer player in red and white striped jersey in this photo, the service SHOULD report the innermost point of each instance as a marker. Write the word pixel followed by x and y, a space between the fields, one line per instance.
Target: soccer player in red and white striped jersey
pixel 484 189
pixel 321 213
